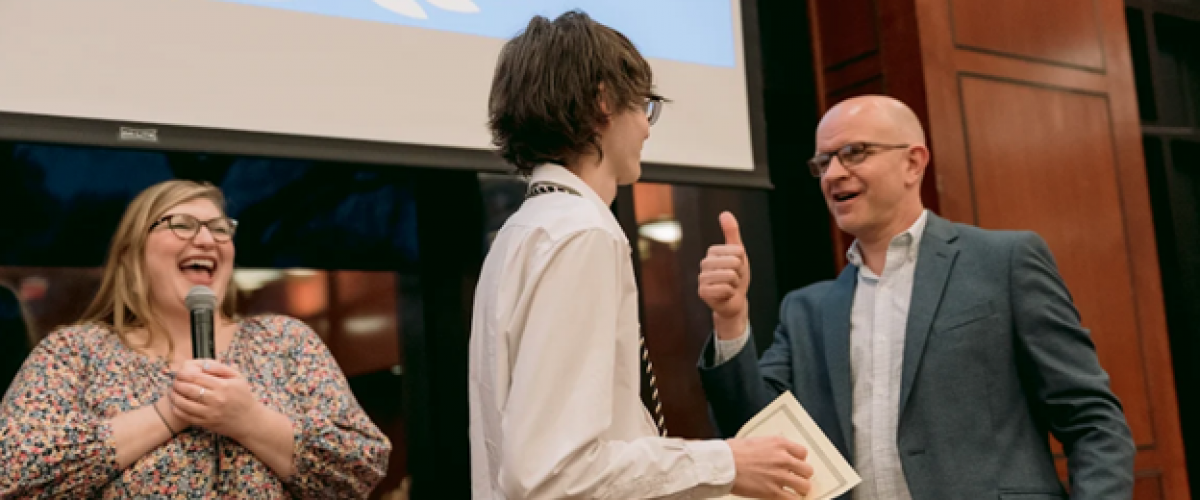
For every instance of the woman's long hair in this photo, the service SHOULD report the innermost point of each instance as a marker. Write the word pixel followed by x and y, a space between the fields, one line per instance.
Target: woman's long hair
pixel 123 302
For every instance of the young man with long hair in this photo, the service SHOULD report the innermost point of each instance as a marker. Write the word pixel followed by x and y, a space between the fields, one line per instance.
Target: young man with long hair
pixel 555 341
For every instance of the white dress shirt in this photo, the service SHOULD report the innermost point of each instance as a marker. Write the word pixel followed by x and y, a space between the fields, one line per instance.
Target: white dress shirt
pixel 878 319
pixel 555 383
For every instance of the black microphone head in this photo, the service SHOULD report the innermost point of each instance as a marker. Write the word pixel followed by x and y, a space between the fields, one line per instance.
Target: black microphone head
pixel 201 297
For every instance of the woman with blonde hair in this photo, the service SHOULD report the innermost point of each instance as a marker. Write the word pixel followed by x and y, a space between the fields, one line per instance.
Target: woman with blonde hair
pixel 115 406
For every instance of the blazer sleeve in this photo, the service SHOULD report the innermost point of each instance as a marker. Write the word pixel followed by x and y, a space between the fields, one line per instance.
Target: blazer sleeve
pixel 739 388
pixel 1059 359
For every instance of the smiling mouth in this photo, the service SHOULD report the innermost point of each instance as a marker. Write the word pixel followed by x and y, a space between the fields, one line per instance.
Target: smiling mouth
pixel 845 196
pixel 202 268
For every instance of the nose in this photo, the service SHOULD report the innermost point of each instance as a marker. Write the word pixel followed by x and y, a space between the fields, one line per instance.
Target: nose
pixel 204 237
pixel 835 170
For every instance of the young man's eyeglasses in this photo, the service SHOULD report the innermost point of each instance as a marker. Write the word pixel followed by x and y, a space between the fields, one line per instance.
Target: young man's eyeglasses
pixel 187 227
pixel 849 155
pixel 654 106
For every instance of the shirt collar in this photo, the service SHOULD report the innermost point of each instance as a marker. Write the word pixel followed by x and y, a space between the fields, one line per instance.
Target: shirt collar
pixel 558 174
pixel 910 239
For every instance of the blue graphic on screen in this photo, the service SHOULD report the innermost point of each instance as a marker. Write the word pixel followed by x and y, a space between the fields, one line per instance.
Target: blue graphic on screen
pixel 692 31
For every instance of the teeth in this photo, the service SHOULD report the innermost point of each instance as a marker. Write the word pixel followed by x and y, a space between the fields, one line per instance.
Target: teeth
pixel 205 263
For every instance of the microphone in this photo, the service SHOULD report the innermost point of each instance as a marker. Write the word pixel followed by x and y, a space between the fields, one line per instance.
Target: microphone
pixel 201 301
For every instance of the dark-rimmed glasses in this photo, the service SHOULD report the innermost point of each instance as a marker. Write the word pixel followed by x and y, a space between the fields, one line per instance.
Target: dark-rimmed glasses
pixel 849 155
pixel 187 227
pixel 654 106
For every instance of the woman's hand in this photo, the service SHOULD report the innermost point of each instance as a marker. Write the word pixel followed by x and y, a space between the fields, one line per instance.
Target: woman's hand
pixel 215 396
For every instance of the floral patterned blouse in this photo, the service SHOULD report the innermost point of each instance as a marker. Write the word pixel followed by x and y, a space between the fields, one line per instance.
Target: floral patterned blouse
pixel 55 441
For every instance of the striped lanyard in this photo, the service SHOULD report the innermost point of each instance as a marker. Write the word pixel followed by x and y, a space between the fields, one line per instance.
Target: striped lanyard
pixel 540 188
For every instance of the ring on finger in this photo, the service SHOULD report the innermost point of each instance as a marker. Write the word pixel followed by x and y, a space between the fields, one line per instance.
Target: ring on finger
pixel 201 394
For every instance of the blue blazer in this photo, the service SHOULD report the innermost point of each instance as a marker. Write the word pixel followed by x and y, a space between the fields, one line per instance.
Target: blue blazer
pixel 994 360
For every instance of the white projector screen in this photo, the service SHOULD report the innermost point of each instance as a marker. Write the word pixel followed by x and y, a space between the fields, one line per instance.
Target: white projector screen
pixel 368 73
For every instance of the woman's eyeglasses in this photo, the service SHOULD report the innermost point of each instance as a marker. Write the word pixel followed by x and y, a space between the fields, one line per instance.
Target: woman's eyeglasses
pixel 187 227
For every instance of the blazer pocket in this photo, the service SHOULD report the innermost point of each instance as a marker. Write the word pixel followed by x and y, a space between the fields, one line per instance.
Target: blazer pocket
pixel 965 316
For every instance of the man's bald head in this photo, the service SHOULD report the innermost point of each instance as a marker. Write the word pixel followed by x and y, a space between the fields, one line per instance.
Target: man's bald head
pixel 871 159
pixel 885 115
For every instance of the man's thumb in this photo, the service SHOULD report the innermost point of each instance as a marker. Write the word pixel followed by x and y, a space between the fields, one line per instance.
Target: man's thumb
pixel 729 225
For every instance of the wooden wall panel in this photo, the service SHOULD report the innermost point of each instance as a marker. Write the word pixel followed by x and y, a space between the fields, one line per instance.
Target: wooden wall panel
pixel 854 73
pixel 1033 124
pixel 872 85
pixel 1061 32
pixel 1148 486
pixel 844 21
pixel 845 49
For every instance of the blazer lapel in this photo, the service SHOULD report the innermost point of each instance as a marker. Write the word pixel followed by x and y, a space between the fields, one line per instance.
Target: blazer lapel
pixel 836 329
pixel 934 261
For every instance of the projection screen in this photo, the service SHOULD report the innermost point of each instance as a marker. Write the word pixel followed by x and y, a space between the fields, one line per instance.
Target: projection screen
pixel 379 81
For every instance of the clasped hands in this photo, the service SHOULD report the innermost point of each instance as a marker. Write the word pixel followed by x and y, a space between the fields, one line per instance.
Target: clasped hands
pixel 214 396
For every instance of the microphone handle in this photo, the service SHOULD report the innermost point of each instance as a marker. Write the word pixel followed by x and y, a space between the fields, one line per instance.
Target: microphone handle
pixel 202 348
pixel 202 334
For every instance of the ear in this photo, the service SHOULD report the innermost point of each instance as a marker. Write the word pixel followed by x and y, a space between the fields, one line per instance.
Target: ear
pixel 606 108
pixel 602 100
pixel 914 170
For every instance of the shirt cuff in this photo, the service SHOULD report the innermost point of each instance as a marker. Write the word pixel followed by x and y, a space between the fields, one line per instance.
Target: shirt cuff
pixel 725 350
pixel 714 462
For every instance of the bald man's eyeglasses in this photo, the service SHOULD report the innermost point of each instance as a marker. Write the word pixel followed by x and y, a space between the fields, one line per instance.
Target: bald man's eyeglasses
pixel 849 155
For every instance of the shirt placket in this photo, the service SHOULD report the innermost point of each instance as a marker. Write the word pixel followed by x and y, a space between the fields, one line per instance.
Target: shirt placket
pixel 866 335
pixel 886 387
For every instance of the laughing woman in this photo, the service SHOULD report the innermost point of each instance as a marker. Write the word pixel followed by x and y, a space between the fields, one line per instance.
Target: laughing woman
pixel 115 406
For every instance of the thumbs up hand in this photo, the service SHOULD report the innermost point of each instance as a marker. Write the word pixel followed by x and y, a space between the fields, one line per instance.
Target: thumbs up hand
pixel 724 280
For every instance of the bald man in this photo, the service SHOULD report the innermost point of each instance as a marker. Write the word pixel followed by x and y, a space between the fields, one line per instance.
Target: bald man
pixel 940 358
